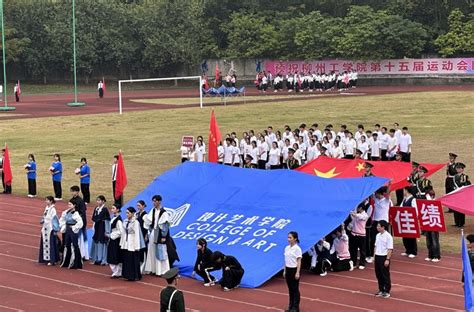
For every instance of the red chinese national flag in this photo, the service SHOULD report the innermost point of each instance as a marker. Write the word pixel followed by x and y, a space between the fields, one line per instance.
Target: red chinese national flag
pixel 214 139
pixel 121 180
pixel 404 222
pixel 7 169
pixel 430 214
pixel 103 84
pixel 19 88
pixel 217 72
pixel 397 171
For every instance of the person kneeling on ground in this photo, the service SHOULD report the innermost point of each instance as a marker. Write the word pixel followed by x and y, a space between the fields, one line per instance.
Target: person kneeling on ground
pixel 232 271
pixel 320 257
pixel 171 299
pixel 203 264
pixel 340 256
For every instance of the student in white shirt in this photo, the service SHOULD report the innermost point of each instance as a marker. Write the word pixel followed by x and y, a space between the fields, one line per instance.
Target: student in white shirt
pixel 291 270
pixel 317 132
pixel 220 153
pixel 383 138
pixel 185 151
pixel 274 156
pixel 382 254
pixel 228 152
pixel 382 204
pixel 405 143
pixel 262 153
pixel 360 133
pixel 236 154
pixel 363 146
pixel 375 149
pixel 392 145
pixel 336 151
pixel 398 132
pixel 313 151
pixel 349 146
pixel 200 152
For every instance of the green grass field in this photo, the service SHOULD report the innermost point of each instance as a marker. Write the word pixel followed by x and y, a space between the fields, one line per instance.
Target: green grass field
pixel 440 122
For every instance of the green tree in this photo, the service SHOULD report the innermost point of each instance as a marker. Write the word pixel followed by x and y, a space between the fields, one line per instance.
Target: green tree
pixel 459 39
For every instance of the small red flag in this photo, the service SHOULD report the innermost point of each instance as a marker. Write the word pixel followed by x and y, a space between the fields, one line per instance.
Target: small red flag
pixel 103 84
pixel 7 169
pixel 121 180
pixel 214 139
pixel 19 88
pixel 217 72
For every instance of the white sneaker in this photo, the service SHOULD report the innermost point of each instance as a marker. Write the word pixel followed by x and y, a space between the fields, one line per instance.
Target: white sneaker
pixel 227 289
pixel 386 295
pixel 369 260
pixel 30 196
pixel 361 267
pixel 323 274
pixel 209 284
pixel 404 254
pixel 57 199
pixel 411 256
pixel 435 260
pixel 351 265
pixel 428 259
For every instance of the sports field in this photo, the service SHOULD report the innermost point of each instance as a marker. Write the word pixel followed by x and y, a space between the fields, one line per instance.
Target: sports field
pixel 440 122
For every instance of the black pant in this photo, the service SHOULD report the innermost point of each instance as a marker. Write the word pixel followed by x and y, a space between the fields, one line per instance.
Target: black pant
pixel 357 242
pixel 432 243
pixel 205 274
pixel 85 192
pixel 32 187
pixel 375 158
pixel 348 156
pixel 383 274
pixel 101 93
pixel 273 167
pixel 459 218
pixel 58 191
pixel 261 164
pixel 17 97
pixel 293 288
pixel 231 278
pixel 7 189
pixel 339 265
pixel 384 155
pixel 405 157
pixel 118 202
pixel 399 194
pixel 410 245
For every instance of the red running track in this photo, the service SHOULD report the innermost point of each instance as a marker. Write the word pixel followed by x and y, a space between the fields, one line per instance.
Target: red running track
pixel 50 105
pixel 26 285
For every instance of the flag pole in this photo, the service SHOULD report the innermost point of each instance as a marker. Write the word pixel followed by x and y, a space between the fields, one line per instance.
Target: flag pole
pixel 75 103
pixel 5 107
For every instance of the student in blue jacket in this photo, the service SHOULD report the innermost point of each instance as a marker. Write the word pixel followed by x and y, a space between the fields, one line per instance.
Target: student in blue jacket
pixel 30 168
pixel 56 171
pixel 84 173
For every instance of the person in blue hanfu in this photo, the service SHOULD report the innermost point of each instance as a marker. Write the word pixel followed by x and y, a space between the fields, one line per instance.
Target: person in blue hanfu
pixel 70 224
pixel 49 247
pixel 101 219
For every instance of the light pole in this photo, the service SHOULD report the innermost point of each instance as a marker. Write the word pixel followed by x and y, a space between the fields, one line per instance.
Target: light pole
pixel 5 107
pixel 75 103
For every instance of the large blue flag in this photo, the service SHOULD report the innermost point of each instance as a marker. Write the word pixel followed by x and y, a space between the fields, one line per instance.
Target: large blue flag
pixel 248 213
pixel 467 274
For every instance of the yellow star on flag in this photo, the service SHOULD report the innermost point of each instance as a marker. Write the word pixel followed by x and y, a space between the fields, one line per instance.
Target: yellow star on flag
pixel 360 167
pixel 328 174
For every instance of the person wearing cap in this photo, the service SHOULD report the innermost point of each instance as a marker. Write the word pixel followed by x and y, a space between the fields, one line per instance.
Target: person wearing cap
pixel 450 173
pixel 368 170
pixel 414 175
pixel 358 154
pixel 101 219
pixel 171 298
pixel 248 162
pixel 292 162
pixel 232 270
pixel 460 179
pixel 131 242
pixel 411 248
pixel 423 185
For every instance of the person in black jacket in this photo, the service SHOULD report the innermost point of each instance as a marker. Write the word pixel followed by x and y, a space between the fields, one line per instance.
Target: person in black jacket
pixel 203 264
pixel 232 271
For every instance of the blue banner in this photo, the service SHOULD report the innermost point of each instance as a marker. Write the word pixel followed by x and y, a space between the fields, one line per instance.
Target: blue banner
pixel 467 274
pixel 248 213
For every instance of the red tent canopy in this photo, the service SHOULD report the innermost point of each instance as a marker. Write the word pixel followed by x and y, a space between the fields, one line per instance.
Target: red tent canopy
pixel 461 200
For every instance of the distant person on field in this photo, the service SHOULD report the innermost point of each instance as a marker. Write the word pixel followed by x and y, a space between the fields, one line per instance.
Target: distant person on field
pixel 56 171
pixel 1 92
pixel 17 92
pixel 30 168
pixel 100 88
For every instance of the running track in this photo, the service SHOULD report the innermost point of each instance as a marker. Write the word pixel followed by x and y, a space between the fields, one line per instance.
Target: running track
pixel 50 105
pixel 26 285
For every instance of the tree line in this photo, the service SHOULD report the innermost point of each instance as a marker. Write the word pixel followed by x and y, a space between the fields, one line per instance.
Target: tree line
pixel 125 37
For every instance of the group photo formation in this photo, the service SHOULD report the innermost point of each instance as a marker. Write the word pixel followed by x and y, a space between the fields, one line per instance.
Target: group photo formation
pixel 194 156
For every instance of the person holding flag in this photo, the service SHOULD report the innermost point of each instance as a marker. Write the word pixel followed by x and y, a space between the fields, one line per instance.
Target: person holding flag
pixel 214 139
pixel 17 91
pixel 119 179
pixel 6 171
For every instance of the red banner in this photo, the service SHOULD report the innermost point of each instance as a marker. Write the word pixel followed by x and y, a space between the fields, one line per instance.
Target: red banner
pixel 404 222
pixel 430 214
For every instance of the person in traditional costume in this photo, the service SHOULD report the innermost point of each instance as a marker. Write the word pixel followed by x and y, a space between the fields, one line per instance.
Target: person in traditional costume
pixel 161 248
pixel 71 224
pixel 101 219
pixel 49 243
pixel 131 242
pixel 140 215
pixel 114 252
pixel 81 208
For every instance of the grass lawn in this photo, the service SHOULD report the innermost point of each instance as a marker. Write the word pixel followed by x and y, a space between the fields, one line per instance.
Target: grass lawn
pixel 440 122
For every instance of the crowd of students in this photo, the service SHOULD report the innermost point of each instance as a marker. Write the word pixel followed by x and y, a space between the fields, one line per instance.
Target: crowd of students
pixel 291 148
pixel 306 81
